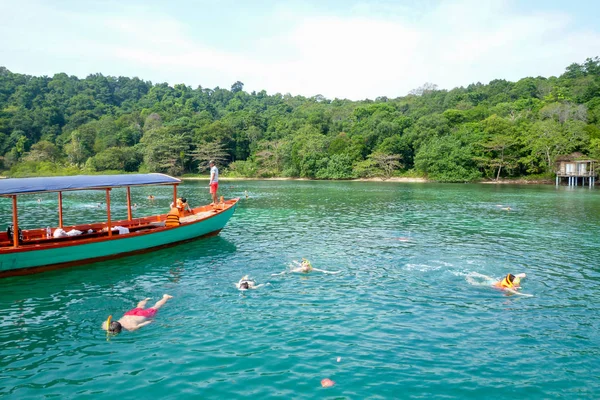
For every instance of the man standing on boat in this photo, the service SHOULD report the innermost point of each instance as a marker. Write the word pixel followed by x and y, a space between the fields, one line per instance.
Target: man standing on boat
pixel 214 181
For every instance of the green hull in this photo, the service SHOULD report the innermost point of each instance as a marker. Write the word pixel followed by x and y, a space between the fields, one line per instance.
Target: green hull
pixel 117 246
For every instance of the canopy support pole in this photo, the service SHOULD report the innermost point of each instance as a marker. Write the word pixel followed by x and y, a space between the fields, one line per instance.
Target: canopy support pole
pixel 15 237
pixel 108 224
pixel 174 195
pixel 129 217
pixel 60 216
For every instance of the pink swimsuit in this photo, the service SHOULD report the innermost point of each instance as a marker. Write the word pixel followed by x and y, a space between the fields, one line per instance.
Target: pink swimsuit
pixel 142 312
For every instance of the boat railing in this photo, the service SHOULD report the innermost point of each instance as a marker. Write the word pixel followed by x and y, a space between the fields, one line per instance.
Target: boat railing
pixel 36 237
pixel 85 235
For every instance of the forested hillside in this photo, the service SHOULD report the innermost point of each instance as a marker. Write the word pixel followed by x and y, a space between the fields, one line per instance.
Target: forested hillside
pixel 66 125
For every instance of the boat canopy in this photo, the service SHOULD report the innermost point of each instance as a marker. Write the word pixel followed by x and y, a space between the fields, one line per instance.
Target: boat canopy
pixel 16 186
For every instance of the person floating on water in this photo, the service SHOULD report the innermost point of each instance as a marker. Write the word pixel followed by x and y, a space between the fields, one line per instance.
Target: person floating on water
pixel 246 283
pixel 304 267
pixel 511 284
pixel 151 198
pixel 135 318
pixel 510 281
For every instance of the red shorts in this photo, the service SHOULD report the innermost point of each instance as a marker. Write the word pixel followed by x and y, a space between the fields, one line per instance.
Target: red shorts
pixel 213 187
pixel 142 312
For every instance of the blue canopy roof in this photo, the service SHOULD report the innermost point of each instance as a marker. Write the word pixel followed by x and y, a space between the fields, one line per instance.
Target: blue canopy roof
pixel 14 186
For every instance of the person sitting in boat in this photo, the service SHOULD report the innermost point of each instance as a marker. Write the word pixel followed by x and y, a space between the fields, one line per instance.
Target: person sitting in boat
pixel 510 281
pixel 182 205
pixel 136 318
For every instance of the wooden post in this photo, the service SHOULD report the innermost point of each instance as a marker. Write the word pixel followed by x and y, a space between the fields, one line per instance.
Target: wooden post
pixel 60 219
pixel 129 218
pixel 108 212
pixel 15 237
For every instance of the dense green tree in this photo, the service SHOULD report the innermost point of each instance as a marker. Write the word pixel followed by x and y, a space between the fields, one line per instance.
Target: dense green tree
pixel 43 151
pixel 447 159
pixel 126 159
pixel 111 123
pixel 207 152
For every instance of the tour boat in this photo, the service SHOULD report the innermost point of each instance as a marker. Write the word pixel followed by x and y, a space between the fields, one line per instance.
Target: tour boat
pixel 35 250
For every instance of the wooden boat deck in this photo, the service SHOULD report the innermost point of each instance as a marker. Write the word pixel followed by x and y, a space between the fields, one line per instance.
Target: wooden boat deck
pixel 37 237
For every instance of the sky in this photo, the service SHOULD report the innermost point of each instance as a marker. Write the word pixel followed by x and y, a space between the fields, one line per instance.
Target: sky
pixel 333 48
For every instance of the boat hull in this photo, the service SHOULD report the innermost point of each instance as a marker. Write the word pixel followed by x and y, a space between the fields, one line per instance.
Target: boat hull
pixel 31 260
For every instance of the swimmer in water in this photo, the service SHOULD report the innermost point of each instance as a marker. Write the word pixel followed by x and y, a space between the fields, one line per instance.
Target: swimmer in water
pixel 510 281
pixel 246 284
pixel 510 284
pixel 304 267
pixel 136 318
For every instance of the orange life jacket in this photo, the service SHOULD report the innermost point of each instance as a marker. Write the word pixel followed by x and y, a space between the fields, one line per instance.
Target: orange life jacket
pixel 504 283
pixel 181 207
pixel 173 217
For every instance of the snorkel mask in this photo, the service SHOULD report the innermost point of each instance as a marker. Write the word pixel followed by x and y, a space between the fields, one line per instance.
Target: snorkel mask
pixel 307 263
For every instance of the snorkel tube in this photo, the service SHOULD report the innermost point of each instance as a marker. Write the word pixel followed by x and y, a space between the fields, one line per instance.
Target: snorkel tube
pixel 108 321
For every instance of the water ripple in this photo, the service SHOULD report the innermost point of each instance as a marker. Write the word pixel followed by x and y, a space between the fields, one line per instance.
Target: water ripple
pixel 400 316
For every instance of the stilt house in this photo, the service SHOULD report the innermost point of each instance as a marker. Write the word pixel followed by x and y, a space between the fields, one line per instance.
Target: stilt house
pixel 575 166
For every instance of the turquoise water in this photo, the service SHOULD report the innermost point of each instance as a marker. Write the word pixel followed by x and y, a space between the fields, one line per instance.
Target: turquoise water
pixel 404 316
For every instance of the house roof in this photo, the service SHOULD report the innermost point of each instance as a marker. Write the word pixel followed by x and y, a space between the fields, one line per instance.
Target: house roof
pixel 576 156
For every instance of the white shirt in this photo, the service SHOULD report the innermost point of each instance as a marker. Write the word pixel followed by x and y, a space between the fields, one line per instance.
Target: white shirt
pixel 214 174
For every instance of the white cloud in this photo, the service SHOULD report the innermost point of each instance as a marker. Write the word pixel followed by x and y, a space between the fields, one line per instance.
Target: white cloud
pixel 355 56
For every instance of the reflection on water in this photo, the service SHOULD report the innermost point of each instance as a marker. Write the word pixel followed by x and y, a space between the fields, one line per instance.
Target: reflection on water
pixel 401 315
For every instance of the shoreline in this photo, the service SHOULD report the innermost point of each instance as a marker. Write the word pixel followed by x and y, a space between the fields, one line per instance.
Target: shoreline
pixel 393 179
pixel 396 179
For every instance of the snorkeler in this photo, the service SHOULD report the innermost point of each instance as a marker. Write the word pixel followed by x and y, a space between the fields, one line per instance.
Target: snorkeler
pixel 246 284
pixel 510 281
pixel 510 284
pixel 304 267
pixel 135 318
